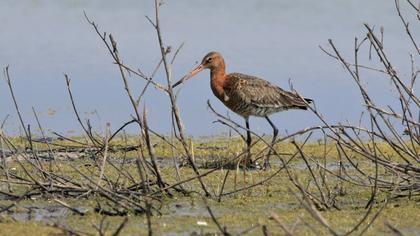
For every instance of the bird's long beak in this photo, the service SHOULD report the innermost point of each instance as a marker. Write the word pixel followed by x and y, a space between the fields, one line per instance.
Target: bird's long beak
pixel 197 70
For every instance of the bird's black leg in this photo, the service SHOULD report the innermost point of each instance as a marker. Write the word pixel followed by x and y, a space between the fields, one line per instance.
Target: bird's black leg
pixel 248 161
pixel 275 132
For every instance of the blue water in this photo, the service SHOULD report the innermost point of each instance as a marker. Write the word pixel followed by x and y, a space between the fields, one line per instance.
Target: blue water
pixel 275 40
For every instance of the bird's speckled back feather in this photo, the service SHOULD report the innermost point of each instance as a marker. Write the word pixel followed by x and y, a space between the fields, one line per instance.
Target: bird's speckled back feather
pixel 251 96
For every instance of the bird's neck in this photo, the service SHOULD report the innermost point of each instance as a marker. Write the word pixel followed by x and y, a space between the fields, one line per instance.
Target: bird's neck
pixel 217 81
pixel 218 73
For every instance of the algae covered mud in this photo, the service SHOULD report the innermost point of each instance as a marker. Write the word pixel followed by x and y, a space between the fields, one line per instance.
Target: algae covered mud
pixel 252 202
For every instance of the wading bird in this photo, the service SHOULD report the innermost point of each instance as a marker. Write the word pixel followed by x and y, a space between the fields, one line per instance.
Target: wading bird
pixel 247 96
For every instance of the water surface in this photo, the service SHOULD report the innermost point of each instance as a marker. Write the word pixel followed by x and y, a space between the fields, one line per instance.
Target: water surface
pixel 275 40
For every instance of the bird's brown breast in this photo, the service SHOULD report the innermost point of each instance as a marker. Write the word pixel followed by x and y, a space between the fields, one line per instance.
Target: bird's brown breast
pixel 218 82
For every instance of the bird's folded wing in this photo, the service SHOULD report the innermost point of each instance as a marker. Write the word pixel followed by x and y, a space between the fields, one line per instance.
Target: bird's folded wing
pixel 261 93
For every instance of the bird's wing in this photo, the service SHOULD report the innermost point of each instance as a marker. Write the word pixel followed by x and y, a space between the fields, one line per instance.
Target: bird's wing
pixel 258 92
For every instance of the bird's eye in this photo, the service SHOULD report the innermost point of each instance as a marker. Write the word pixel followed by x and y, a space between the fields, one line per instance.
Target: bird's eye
pixel 209 59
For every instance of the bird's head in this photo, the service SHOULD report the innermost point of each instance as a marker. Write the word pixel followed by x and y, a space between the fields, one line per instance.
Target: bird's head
pixel 212 61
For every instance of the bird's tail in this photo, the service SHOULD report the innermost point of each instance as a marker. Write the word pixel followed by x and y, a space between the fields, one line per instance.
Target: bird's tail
pixel 305 107
pixel 308 100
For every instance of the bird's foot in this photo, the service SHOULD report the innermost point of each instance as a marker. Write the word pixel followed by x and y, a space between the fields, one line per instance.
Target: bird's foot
pixel 253 166
pixel 267 164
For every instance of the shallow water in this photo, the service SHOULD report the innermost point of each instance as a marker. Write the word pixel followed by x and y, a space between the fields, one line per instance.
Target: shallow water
pixel 38 212
pixel 276 40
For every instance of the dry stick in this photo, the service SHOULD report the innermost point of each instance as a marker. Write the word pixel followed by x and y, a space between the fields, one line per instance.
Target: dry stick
pixel 373 120
pixel 310 208
pixel 102 227
pixel 363 151
pixel 145 183
pixel 176 52
pixel 373 195
pixel 51 153
pixel 359 149
pixel 120 227
pixel 27 134
pixel 369 102
pixel 407 30
pixel 322 172
pixel 73 209
pixel 394 230
pixel 285 163
pixel 9 83
pixel 248 230
pixel 36 182
pixel 323 199
pixel 395 115
pixel 15 176
pixel 223 229
pixel 295 224
pixel 4 121
pixel 71 140
pixel 94 141
pixel 3 160
pixel 384 59
pixel 231 127
pixel 410 133
pixel 365 94
pixel 105 155
pixel 120 129
pixel 417 8
pixel 117 61
pixel 38 161
pixel 361 221
pixel 375 187
pixel 148 79
pixel 350 179
pixel 353 65
pixel 26 158
pixel 277 219
pixel 311 196
pixel 113 50
pixel 414 73
pixel 175 109
pixel 149 82
pixel 68 231
pixel 120 169
pixel 124 162
pixel 115 54
pixel 16 201
pixel 312 228
pixel 223 186
pixel 108 193
pixel 369 156
pixel 405 108
pixel 374 217
pixel 151 151
pixel 405 102
pixel 139 74
pixel 8 207
pixel 200 176
pixel 174 159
